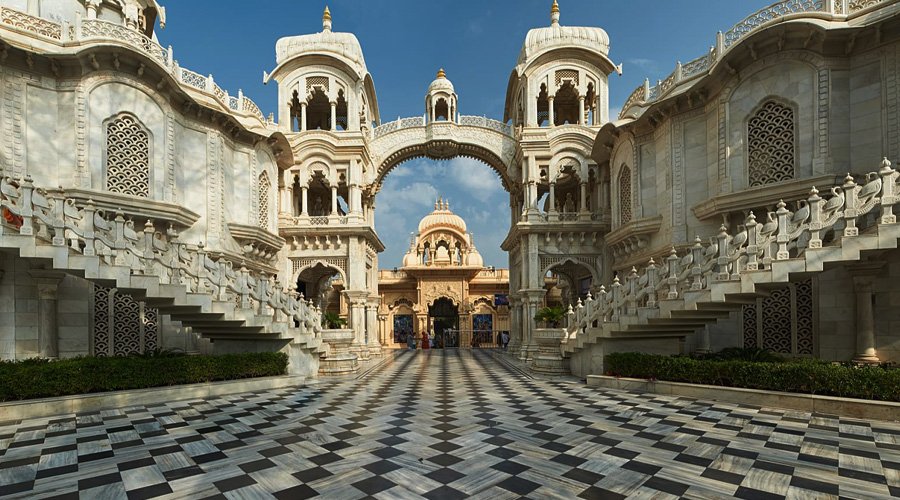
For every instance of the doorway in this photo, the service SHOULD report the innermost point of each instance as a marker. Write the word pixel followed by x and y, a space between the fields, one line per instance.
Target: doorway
pixel 444 317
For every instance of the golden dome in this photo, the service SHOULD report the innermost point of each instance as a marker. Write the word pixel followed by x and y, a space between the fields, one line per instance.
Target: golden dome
pixel 442 217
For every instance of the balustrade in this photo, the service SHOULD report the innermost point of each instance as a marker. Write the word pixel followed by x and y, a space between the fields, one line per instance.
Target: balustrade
pixel 835 9
pixel 53 219
pixel 786 233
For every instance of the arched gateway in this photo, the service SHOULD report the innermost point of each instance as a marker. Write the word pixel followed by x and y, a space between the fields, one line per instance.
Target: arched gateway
pixel 341 152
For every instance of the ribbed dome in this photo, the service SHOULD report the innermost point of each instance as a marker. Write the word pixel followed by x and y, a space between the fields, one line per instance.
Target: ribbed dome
pixel 341 45
pixel 441 83
pixel 442 216
pixel 540 40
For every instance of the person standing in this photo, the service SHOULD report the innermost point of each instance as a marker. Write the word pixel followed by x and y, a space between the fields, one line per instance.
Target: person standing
pixel 505 340
pixel 425 343
pixel 411 341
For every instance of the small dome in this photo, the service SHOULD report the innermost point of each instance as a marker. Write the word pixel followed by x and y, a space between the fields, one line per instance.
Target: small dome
pixel 541 40
pixel 441 83
pixel 343 46
pixel 474 259
pixel 442 216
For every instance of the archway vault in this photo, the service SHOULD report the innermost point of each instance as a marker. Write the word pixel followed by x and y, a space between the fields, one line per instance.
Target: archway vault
pixel 443 141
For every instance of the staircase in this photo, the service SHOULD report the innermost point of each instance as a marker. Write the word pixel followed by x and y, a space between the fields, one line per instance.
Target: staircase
pixel 210 295
pixel 673 300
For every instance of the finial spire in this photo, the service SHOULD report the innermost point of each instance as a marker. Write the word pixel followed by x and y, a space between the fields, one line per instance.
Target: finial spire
pixel 326 20
pixel 441 73
pixel 554 14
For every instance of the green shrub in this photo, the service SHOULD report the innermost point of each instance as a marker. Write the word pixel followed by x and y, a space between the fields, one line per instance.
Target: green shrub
pixel 806 376
pixel 743 354
pixel 38 378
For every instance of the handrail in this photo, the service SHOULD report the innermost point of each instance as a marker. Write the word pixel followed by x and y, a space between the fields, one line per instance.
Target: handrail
pixel 701 66
pixel 98 30
pixel 783 234
pixel 56 220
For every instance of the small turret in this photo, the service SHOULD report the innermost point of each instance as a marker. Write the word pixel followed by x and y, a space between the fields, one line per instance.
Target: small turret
pixel 326 20
pixel 554 14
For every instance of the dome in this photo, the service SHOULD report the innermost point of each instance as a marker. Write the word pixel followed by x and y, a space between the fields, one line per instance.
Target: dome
pixel 541 40
pixel 343 46
pixel 474 259
pixel 441 83
pixel 442 216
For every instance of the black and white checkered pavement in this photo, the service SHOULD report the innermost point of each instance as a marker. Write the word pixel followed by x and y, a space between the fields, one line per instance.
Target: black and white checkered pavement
pixel 454 424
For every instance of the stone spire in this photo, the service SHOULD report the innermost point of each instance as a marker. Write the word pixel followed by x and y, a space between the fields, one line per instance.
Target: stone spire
pixel 326 20
pixel 554 14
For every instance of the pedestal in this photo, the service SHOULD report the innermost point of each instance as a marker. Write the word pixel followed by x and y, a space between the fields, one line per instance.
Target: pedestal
pixel 548 359
pixel 340 359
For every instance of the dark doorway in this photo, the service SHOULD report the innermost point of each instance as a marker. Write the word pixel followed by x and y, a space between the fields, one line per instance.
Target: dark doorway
pixel 445 318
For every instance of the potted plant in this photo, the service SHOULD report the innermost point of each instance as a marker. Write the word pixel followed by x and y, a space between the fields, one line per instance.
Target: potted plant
pixel 549 316
pixel 332 320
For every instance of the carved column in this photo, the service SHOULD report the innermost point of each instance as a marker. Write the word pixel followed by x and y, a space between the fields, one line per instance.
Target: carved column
pixel 303 117
pixel 93 6
pixel 334 203
pixel 550 112
pixel 333 116
pixel 48 328
pixel 304 200
pixel 552 208
pixel 864 276
pixel 373 340
pixel 584 193
pixel 581 110
pixel 34 8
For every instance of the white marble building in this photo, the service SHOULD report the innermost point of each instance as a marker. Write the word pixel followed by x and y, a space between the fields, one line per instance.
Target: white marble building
pixel 117 164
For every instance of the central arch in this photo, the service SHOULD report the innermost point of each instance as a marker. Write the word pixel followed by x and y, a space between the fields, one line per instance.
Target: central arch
pixel 443 141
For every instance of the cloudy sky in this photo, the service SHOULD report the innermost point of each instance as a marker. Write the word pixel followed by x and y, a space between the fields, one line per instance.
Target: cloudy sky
pixel 406 41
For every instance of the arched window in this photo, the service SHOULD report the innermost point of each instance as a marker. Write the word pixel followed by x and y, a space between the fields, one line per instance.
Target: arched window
pixel 318 111
pixel 265 189
pixel 770 141
pixel 127 157
pixel 441 110
pixel 341 112
pixel 624 195
pixel 543 107
pixel 565 105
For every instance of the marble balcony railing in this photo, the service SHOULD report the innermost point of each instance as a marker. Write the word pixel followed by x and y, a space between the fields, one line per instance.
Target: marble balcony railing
pixel 833 10
pixel 87 32
pixel 78 236
pixel 812 225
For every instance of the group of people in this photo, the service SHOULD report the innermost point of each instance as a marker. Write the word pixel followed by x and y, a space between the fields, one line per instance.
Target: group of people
pixel 503 339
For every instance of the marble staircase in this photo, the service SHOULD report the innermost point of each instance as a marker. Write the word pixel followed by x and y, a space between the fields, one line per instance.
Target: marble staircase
pixel 670 304
pixel 205 292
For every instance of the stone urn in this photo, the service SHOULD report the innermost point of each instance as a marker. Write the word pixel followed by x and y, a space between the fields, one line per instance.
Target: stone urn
pixel 549 360
pixel 339 358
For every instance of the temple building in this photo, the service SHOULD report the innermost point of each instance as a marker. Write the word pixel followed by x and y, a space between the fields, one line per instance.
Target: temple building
pixel 443 287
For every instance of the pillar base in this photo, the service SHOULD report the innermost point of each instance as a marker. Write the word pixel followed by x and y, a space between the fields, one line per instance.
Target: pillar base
pixel 548 359
pixel 869 359
pixel 361 351
pixel 340 360
pixel 375 349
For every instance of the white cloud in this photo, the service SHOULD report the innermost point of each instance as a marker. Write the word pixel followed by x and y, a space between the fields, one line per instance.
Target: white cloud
pixel 647 65
pixel 473 175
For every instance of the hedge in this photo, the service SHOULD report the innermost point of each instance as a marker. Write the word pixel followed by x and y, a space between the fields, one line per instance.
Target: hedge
pixel 38 378
pixel 801 376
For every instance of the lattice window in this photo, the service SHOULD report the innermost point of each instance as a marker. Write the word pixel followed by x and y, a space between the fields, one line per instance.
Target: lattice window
pixel 566 74
pixel 316 81
pixel 770 140
pixel 127 157
pixel 122 325
pixel 265 189
pixel 783 321
pixel 625 195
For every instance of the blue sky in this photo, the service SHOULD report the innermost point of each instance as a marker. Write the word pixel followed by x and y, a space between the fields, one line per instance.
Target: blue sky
pixel 406 41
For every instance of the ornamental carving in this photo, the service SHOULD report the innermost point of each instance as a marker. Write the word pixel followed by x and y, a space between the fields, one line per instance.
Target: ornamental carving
pixel 122 325
pixel 436 291
pixel 783 321
pixel 770 141
pixel 127 157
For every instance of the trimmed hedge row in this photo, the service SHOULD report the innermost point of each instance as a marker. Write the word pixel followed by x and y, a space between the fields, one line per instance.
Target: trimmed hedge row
pixel 38 378
pixel 802 376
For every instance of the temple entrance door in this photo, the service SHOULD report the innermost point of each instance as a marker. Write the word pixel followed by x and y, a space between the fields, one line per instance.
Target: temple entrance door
pixel 444 316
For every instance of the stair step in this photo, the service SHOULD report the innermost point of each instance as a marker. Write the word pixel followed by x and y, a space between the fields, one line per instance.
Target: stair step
pixel 694 322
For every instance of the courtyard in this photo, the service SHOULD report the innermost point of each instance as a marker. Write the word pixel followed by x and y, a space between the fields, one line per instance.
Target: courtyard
pixel 448 424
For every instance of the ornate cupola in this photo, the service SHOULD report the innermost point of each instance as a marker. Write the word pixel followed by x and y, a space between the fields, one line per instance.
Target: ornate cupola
pixel 441 100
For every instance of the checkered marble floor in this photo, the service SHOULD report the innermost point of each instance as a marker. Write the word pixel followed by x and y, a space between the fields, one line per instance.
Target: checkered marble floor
pixel 453 424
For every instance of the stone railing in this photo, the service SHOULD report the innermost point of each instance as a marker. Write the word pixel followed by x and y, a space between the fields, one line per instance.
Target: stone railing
pixel 419 121
pixel 95 30
pixel 829 9
pixel 57 221
pixel 783 234
pixel 31 24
